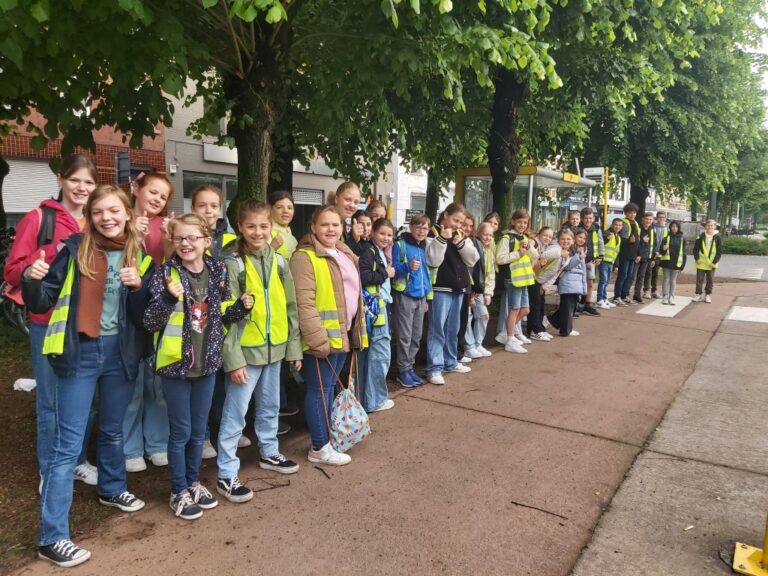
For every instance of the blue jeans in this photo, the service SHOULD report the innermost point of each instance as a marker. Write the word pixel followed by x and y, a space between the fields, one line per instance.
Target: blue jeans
pixel 189 401
pixel 477 326
pixel 443 331
pixel 624 278
pixel 45 379
pixel 373 365
pixel 100 365
pixel 605 277
pixel 263 386
pixel 146 421
pixel 317 403
pixel 501 323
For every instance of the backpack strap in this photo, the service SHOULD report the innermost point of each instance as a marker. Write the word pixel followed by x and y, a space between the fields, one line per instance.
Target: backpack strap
pixel 47 225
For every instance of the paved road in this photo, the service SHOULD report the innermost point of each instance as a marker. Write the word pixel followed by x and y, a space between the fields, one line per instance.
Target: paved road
pixel 738 267
pixel 503 471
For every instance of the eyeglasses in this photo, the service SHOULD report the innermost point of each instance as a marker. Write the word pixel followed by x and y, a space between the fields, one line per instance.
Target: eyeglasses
pixel 190 239
pixel 421 228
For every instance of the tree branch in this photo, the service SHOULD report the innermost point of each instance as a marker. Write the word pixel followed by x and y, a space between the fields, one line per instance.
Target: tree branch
pixel 235 41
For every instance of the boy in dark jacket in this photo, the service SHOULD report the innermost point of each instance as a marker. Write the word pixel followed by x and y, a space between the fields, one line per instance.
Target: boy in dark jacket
pixel 644 254
pixel 628 257
pixel 595 253
pixel 707 251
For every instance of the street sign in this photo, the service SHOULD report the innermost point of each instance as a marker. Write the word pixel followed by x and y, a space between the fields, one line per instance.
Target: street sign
pixel 595 174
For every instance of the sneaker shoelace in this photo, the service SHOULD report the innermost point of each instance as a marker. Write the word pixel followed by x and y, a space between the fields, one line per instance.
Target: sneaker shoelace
pixel 234 484
pixel 126 498
pixel 279 458
pixel 65 548
pixel 184 500
pixel 199 492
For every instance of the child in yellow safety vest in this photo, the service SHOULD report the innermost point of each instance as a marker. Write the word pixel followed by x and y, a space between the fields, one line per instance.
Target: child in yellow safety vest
pixel 94 342
pixel 707 251
pixel 189 305
pixel 255 348
pixel 672 261
pixel 612 241
pixel 373 362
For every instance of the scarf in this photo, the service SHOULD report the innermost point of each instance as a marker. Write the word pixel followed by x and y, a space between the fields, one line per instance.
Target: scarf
pixel 92 289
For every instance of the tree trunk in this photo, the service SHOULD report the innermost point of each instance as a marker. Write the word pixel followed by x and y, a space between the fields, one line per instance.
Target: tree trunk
pixel 694 208
pixel 5 169
pixel 638 194
pixel 433 195
pixel 283 144
pixel 503 139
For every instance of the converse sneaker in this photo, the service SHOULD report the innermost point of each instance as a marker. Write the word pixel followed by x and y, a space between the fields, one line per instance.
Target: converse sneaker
pixel 436 378
pixel 233 490
pixel 135 464
pixel 522 338
pixel 538 337
pixel 619 302
pixel 125 501
pixel 484 352
pixel 209 451
pixel 244 441
pixel 184 506
pixel 708 299
pixel 405 380
pixel 459 369
pixel 159 459
pixel 282 428
pixel 696 298
pixel 415 378
pixel 64 553
pixel 473 353
pixel 87 473
pixel 546 335
pixel 279 463
pixel 327 455
pixel 202 496
pixel 388 405
pixel 514 345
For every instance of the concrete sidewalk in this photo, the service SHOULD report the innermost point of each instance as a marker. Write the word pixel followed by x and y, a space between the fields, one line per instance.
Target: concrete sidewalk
pixel 702 481
pixel 505 470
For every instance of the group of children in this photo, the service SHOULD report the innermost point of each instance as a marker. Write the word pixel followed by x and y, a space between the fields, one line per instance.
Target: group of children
pixel 151 314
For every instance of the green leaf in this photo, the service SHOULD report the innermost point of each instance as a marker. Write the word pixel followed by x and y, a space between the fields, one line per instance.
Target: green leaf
pixel 445 6
pixel 173 84
pixel 209 3
pixel 40 11
pixel 275 14
pixel 416 6
pixel 8 5
pixel 11 50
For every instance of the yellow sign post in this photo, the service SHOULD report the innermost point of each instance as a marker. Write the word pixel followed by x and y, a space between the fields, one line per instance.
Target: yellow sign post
pixel 750 560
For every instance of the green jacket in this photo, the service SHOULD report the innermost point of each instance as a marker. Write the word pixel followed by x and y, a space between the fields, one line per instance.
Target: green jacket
pixel 235 356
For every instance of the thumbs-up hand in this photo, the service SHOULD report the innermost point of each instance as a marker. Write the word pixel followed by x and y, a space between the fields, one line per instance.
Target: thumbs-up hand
pixel 415 264
pixel 247 300
pixel 167 219
pixel 38 269
pixel 277 241
pixel 130 276
pixel 174 287
pixel 142 224
pixel 390 272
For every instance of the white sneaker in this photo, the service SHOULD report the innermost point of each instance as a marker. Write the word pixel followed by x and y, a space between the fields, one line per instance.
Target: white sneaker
pixel 514 345
pixel 243 441
pixel 386 406
pixel 436 378
pixel 646 295
pixel 473 353
pixel 604 305
pixel 538 337
pixel 523 338
pixel 708 299
pixel 664 300
pixel 135 465
pixel 159 459
pixel 327 455
pixel 671 301
pixel 465 359
pixel 485 353
pixel 460 369
pixel 546 335
pixel 209 451
pixel 696 298
pixel 573 333
pixel 87 473
pixel 610 303
pixel 545 322
pixel 502 337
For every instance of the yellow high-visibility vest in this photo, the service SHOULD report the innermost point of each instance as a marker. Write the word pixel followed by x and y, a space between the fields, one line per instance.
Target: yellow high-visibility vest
pixel 521 271
pixel 268 320
pixel 707 260
pixel 53 343
pixel 612 246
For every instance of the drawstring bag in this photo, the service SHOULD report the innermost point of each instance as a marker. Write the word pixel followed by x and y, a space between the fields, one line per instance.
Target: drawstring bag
pixel 348 423
pixel 372 309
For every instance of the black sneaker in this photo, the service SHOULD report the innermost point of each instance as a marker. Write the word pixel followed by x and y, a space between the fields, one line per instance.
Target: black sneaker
pixel 64 553
pixel 282 428
pixel 638 299
pixel 184 506
pixel 233 491
pixel 288 410
pixel 279 463
pixel 126 501
pixel 590 311
pixel 202 497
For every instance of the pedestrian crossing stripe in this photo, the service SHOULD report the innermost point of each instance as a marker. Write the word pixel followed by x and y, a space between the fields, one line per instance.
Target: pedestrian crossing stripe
pixel 752 274
pixel 656 308
pixel 748 314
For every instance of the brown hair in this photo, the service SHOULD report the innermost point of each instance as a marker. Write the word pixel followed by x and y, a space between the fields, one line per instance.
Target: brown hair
pixel 89 245
pixel 450 210
pixel 245 209
pixel 72 164
pixel 190 219
pixel 564 232
pixel 206 188
pixel 376 204
pixel 145 179
pixel 491 215
pixel 420 219
pixel 325 208
pixel 382 222
pixel 519 214
pixel 276 195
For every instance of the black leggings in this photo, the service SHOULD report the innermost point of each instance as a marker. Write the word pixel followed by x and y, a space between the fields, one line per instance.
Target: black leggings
pixel 536 309
pixel 562 318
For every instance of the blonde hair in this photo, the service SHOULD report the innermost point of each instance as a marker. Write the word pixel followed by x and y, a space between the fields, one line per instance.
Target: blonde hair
pixel 190 219
pixel 89 245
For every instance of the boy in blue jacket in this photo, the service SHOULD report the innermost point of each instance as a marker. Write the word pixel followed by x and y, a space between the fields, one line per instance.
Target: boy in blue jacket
pixel 411 287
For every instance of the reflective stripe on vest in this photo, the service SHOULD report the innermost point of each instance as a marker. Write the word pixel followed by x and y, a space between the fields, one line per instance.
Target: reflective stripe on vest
pixel 268 320
pixel 666 257
pixel 520 271
pixel 169 348
pixel 325 300
pixel 595 244
pixel 381 319
pixel 612 246
pixel 57 326
pixel 702 256
pixel 401 283
pixel 652 243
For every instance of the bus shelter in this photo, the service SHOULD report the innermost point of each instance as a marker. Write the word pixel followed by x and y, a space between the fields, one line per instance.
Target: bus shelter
pixel 547 194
